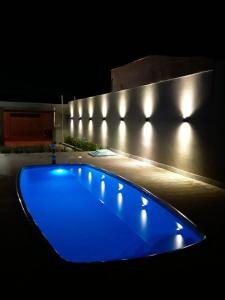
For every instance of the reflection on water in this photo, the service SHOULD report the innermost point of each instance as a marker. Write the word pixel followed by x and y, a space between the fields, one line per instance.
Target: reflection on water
pixel 179 241
pixel 89 177
pixel 143 218
pixel 102 188
pixel 144 201
pixel 79 171
pixel 120 186
pixel 71 110
pixel 120 200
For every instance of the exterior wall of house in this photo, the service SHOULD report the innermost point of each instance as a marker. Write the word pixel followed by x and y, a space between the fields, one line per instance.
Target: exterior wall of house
pixel 156 68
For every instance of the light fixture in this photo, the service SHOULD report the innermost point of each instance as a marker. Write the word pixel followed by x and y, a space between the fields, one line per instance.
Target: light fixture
pixel 104 118
pixel 90 118
pixel 80 118
pixel 187 119
pixel 147 119
pixel 121 119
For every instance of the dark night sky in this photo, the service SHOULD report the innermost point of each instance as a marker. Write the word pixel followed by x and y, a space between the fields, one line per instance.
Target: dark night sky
pixel 38 63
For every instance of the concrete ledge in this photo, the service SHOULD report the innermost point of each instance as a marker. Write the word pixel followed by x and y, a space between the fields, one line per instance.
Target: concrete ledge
pixel 173 169
pixel 70 146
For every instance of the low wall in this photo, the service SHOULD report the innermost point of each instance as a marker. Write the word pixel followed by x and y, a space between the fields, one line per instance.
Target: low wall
pixel 195 144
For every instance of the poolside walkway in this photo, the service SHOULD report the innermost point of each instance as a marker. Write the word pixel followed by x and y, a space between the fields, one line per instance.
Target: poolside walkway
pixel 202 203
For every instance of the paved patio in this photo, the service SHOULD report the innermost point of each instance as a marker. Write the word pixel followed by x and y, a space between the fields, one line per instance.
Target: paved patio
pixel 24 253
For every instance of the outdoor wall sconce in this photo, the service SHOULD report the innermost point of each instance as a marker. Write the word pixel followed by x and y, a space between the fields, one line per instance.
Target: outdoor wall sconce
pixel 90 118
pixel 104 118
pixel 186 119
pixel 80 118
pixel 121 119
pixel 147 119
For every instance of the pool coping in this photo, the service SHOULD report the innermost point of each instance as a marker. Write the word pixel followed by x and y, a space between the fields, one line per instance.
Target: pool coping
pixel 162 202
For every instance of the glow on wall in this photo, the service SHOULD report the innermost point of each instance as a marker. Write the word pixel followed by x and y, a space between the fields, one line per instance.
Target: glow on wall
pixel 104 106
pixel 187 98
pixel 71 127
pixel 91 107
pixel 71 109
pixel 147 138
pixel 122 104
pixel 90 129
pixel 104 133
pixel 80 128
pixel 80 109
pixel 122 136
pixel 183 148
pixel 148 100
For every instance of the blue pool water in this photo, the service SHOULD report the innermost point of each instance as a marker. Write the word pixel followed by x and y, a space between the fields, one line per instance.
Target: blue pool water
pixel 88 215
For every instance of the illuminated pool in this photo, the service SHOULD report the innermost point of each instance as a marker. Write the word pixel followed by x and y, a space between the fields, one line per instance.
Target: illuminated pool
pixel 89 215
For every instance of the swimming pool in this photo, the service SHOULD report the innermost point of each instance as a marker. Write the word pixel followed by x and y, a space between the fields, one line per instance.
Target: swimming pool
pixel 89 215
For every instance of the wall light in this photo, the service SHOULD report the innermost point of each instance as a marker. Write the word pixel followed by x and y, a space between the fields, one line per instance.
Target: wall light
pixel 121 119
pixel 147 119
pixel 187 119
pixel 90 119
pixel 80 118
pixel 104 118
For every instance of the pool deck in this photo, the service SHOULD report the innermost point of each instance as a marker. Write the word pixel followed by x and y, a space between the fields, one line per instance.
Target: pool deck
pixel 25 253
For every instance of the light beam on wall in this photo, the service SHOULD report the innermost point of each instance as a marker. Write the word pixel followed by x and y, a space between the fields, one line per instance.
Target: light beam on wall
pixel 90 129
pixel 122 135
pixel 90 107
pixel 71 110
pixel 184 148
pixel 104 134
pixel 104 106
pixel 184 135
pixel 80 128
pixel 71 127
pixel 122 104
pixel 89 177
pixel 187 103
pixel 80 109
pixel 147 133
pixel 188 100
pixel 148 101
